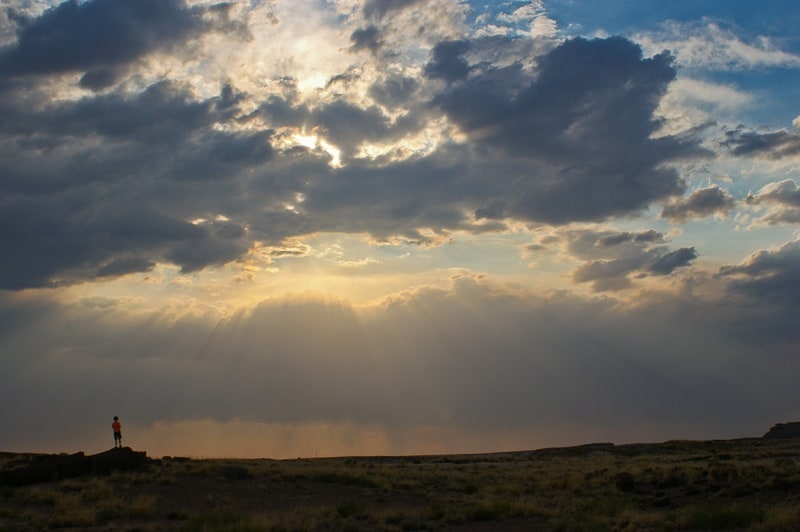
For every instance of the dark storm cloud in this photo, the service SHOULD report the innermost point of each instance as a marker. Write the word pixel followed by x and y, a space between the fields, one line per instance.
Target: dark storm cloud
pixel 347 126
pixel 344 124
pixel 379 8
pixel 393 91
pixel 448 62
pixel 106 185
pixel 166 112
pixel 585 124
pixel 99 33
pixel 521 361
pixel 614 258
pixel 572 143
pixel 73 241
pixel 279 111
pixel 614 239
pixel 701 203
pixel 368 38
pixel 100 78
pixel 669 262
pixel 774 145
pixel 215 246
pixel 124 265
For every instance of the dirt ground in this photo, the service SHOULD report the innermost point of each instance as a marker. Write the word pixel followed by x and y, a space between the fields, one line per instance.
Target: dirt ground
pixel 751 484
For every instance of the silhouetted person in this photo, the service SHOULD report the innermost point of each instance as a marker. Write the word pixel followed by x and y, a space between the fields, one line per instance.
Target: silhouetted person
pixel 116 426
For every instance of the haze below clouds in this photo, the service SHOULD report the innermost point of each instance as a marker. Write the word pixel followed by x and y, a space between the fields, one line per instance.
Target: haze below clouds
pixel 289 228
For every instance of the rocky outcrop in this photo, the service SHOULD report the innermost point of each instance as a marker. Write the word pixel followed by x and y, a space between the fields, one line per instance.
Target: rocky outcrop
pixel 44 468
pixel 784 430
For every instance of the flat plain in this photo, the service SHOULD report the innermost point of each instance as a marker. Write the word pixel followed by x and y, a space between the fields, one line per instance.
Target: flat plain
pixel 745 484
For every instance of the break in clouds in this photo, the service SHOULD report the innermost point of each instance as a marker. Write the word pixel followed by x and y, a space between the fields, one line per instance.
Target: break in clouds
pixel 190 134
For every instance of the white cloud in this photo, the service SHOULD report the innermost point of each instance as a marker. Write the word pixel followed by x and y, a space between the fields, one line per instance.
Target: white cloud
pixel 706 44
pixel 691 103
pixel 534 16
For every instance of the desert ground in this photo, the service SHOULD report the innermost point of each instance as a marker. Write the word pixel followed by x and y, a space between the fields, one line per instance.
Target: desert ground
pixel 745 484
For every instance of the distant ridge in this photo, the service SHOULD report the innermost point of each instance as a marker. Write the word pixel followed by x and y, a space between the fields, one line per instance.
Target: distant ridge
pixel 784 430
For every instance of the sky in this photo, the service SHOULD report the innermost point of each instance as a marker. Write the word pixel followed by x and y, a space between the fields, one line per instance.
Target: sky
pixel 370 227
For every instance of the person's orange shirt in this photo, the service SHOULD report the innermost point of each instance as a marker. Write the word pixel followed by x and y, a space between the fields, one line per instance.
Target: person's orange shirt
pixel 117 426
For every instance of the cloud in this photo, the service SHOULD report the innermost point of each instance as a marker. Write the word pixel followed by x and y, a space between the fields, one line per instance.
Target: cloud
pixel 614 257
pixel 583 126
pixel 770 276
pixel 699 204
pixel 528 19
pixel 98 35
pixel 101 188
pixel 782 201
pixel 366 38
pixel 669 262
pixel 379 8
pixel 393 91
pixel 109 182
pixel 707 43
pixel 772 145
pixel 448 62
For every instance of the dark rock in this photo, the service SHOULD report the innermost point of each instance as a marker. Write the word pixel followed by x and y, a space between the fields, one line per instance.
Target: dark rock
pixel 44 468
pixel 784 430
pixel 117 459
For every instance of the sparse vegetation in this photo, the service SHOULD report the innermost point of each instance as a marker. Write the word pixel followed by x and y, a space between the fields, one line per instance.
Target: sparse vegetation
pixel 725 485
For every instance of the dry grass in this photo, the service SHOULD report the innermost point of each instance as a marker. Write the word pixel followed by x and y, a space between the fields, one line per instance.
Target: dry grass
pixel 745 484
